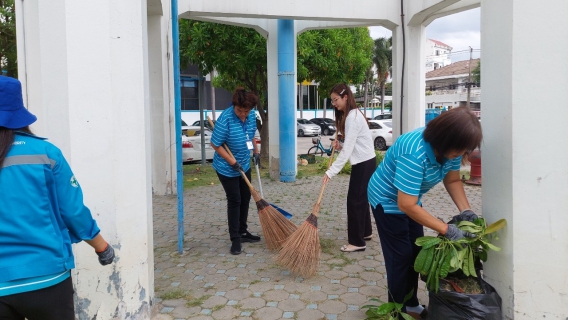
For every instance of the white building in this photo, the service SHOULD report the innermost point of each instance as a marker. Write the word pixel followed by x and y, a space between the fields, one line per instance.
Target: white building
pixel 446 86
pixel 437 54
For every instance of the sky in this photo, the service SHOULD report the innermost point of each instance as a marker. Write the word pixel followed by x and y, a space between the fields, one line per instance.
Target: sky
pixel 459 31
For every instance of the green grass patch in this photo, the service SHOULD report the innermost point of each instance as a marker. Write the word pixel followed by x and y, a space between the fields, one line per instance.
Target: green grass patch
pixel 176 294
pixel 327 246
pixel 197 302
pixel 330 247
pixel 197 175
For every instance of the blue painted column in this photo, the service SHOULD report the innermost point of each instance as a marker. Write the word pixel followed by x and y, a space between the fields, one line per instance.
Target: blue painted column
pixel 177 104
pixel 286 102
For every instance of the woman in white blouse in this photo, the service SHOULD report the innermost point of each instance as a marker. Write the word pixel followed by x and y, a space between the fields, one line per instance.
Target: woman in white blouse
pixel 358 149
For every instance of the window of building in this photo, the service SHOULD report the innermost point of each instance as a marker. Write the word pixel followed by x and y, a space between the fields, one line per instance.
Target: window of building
pixel 189 94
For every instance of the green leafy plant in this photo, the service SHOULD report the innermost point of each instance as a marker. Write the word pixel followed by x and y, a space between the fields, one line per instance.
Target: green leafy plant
pixel 387 310
pixel 379 156
pixel 440 256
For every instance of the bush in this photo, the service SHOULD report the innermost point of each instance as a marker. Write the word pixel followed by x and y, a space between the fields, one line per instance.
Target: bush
pixel 347 167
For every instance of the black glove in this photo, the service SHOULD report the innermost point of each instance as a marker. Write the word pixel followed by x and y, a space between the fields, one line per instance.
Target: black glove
pixel 107 256
pixel 237 167
pixel 256 159
pixel 466 215
pixel 454 233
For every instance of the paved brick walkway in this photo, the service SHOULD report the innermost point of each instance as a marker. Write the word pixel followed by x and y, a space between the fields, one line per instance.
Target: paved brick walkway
pixel 207 282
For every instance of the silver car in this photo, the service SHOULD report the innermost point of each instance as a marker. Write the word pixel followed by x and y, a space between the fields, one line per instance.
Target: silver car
pixel 307 128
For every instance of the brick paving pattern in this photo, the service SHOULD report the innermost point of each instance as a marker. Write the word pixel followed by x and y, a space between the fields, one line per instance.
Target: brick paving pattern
pixel 207 282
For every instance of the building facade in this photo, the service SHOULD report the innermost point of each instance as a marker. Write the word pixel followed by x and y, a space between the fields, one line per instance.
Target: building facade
pixel 446 87
pixel 437 54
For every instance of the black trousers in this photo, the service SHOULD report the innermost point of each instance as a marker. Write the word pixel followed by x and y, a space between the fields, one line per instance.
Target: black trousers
pixel 51 303
pixel 358 210
pixel 238 199
pixel 398 234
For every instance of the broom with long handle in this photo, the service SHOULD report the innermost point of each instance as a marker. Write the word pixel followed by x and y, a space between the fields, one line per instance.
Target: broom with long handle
pixel 300 253
pixel 275 227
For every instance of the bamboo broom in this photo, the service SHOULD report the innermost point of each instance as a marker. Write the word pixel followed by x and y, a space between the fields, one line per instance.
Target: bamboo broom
pixel 275 227
pixel 300 253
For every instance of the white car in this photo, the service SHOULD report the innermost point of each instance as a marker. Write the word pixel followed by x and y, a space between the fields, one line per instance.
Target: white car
pixel 381 130
pixel 307 128
pixel 191 147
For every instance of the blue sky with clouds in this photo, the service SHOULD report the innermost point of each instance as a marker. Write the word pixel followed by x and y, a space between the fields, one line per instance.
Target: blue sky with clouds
pixel 459 31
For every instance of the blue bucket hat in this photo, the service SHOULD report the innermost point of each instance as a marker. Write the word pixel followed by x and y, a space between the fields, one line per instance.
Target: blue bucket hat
pixel 13 114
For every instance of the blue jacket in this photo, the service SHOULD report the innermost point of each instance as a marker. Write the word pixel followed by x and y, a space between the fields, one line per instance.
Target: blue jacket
pixel 41 211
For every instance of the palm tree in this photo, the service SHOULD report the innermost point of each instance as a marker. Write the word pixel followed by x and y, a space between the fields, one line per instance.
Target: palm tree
pixel 382 58
pixel 368 79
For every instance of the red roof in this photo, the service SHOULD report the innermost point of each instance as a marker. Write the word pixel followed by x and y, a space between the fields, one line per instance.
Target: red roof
pixel 440 43
pixel 460 67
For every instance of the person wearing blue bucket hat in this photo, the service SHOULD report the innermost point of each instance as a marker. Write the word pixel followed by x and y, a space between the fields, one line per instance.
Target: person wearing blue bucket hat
pixel 41 214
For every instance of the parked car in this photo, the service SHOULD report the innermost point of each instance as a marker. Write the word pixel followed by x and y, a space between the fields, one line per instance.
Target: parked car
pixel 381 130
pixel 184 128
pixel 206 124
pixel 326 125
pixel 191 148
pixel 383 116
pixel 307 128
pixel 191 131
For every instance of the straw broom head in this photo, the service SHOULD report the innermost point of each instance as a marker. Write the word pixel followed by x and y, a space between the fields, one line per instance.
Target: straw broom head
pixel 275 227
pixel 301 252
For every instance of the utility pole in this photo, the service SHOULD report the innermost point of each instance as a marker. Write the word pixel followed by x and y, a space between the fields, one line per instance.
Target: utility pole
pixel 469 79
pixel 212 75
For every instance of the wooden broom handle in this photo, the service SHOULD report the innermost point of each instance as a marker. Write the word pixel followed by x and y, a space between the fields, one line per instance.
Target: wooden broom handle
pixel 232 156
pixel 328 165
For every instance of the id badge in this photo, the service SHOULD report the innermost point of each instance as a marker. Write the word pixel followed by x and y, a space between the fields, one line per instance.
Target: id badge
pixel 249 145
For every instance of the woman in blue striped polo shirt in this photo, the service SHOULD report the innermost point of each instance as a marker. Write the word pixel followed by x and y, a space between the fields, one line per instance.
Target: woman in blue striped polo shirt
pixel 415 163
pixel 236 127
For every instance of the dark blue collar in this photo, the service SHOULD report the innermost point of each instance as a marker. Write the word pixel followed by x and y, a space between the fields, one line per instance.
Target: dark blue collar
pixel 22 133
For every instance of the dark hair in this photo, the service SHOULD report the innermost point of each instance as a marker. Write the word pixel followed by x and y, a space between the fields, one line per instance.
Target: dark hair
pixel 343 90
pixel 6 140
pixel 244 99
pixel 454 130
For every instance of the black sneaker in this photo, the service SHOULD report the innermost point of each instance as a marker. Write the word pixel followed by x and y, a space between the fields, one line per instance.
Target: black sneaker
pixel 236 247
pixel 247 237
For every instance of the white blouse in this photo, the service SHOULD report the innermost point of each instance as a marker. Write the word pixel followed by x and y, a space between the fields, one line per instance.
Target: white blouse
pixel 358 146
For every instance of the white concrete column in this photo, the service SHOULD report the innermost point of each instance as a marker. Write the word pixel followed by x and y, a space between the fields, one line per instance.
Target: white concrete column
pixel 87 81
pixel 525 176
pixel 161 106
pixel 414 102
pixel 272 75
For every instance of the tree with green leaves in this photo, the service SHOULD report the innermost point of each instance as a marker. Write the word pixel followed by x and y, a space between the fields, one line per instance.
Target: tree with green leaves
pixel 331 56
pixel 382 58
pixel 239 56
pixel 8 52
pixel 476 73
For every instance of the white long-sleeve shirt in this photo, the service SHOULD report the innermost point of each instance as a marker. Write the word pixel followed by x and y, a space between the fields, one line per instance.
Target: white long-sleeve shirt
pixel 358 145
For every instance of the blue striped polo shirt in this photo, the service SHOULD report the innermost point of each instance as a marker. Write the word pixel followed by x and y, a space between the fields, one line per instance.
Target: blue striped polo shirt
pixel 409 166
pixel 235 133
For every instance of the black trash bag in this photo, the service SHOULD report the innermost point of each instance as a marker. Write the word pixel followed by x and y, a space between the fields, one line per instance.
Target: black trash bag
pixel 450 305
